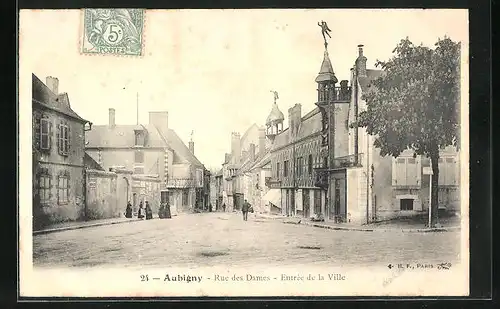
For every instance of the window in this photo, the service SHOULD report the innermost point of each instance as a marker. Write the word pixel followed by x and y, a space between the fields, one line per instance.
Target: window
pixel 406 204
pixel 185 197
pixel 62 189
pixel 310 164
pixel 278 170
pixel 448 171
pixel 406 171
pixel 139 156
pixel 63 138
pixel 299 166
pixel 44 180
pixel 139 138
pixel 45 133
pixel 138 170
pixel 285 169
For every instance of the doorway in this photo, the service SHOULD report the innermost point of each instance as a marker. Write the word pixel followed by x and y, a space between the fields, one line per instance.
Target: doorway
pixel 406 204
pixel 306 202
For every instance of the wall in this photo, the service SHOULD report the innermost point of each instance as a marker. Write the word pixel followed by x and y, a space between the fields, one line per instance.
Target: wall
pixel 341 136
pixel 102 195
pixel 56 164
pixel 181 171
pixel 147 189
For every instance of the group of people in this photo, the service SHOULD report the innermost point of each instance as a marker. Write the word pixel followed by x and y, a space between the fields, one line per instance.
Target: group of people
pixel 143 213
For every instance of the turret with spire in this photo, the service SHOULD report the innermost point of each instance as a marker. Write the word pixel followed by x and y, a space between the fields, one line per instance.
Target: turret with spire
pixel 274 122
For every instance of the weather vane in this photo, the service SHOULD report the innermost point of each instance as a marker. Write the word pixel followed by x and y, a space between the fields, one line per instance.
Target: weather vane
pixel 275 95
pixel 325 31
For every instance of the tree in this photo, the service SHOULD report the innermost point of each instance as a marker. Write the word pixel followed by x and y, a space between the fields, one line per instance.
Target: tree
pixel 415 104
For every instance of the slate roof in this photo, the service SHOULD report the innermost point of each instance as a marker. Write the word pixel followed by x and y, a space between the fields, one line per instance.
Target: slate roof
pixel 42 95
pixel 326 72
pixel 364 81
pixel 275 116
pixel 310 124
pixel 123 136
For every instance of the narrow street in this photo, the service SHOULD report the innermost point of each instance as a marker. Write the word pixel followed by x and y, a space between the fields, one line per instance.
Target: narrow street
pixel 214 239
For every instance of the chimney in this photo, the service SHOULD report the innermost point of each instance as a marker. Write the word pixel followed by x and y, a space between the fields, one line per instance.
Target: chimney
pixel 361 62
pixel 160 121
pixel 112 122
pixel 252 152
pixel 53 84
pixel 236 146
pixel 191 146
pixel 294 119
pixel 262 141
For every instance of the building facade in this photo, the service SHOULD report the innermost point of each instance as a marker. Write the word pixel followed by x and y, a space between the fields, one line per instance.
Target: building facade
pixel 58 155
pixel 379 188
pixel 151 150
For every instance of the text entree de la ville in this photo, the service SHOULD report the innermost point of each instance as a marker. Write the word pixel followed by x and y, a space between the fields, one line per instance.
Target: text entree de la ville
pixel 252 277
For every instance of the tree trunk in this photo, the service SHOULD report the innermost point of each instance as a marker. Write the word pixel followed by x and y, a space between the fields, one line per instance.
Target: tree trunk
pixel 434 185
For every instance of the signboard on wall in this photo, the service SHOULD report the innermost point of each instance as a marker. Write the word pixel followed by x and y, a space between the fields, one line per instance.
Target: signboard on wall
pixel 427 170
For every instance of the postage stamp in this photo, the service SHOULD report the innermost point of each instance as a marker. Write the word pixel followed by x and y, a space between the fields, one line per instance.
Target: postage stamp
pixel 113 31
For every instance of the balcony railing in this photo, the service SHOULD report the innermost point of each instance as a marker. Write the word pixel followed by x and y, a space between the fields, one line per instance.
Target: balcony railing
pixel 181 183
pixel 338 94
pixel 321 177
pixel 348 161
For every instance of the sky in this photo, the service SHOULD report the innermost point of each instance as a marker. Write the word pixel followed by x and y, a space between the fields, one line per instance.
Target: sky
pixel 213 70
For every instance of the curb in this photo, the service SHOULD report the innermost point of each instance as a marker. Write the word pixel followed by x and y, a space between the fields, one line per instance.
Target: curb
pixel 338 228
pixel 61 229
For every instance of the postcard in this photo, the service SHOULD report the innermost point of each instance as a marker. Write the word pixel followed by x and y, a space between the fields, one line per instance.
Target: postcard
pixel 243 153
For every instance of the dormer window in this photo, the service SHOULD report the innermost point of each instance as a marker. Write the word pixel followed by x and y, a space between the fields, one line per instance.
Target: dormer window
pixel 139 138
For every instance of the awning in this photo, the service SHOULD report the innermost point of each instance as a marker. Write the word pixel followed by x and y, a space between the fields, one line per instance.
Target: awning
pixel 273 196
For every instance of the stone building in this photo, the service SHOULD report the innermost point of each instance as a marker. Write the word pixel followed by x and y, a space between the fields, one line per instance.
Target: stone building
pixel 379 188
pixel 58 155
pixel 155 150
pixel 301 153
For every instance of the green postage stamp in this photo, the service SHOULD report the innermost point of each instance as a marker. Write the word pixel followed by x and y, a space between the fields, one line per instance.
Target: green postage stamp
pixel 113 31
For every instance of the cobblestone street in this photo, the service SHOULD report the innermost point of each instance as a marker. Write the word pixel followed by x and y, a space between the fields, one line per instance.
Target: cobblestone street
pixel 212 239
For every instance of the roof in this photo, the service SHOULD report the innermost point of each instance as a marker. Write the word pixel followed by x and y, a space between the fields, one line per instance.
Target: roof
pixel 275 116
pixel 41 94
pixel 248 131
pixel 89 162
pixel 326 72
pixel 364 81
pixel 310 124
pixel 123 136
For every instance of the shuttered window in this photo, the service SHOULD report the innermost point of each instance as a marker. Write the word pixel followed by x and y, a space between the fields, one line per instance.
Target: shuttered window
pixel 63 138
pixel 44 185
pixel 448 171
pixel 62 189
pixel 45 133
pixel 406 171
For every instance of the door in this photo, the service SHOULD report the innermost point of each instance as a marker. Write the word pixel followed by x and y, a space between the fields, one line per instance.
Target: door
pixel 306 203
pixel 317 202
pixel 287 203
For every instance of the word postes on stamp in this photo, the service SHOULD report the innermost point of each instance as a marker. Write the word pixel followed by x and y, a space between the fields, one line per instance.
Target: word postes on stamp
pixel 113 31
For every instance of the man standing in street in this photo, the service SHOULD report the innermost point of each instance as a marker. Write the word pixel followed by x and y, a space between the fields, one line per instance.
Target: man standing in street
pixel 245 208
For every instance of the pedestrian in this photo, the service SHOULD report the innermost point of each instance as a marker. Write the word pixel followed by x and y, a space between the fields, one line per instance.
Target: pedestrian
pixel 149 212
pixel 224 207
pixel 140 213
pixel 161 211
pixel 210 207
pixel 128 211
pixel 244 209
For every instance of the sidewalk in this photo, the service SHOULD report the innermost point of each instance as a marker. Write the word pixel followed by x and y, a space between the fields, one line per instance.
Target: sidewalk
pixel 65 226
pixel 387 226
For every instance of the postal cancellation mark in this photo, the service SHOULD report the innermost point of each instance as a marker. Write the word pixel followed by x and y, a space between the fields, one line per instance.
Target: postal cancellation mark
pixel 113 31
